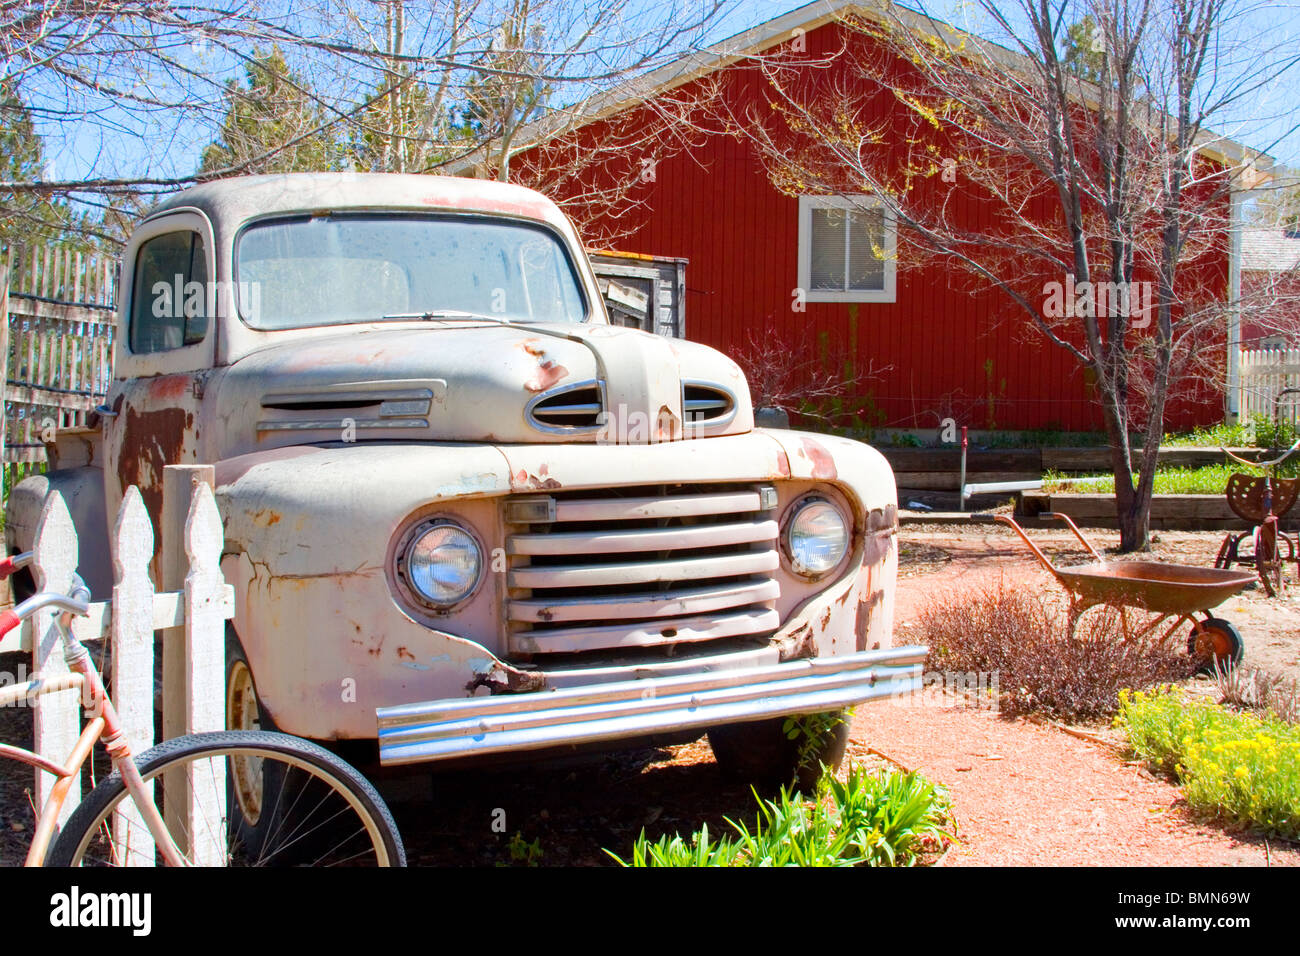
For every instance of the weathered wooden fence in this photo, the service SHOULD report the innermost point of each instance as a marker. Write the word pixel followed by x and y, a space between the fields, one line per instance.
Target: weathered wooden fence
pixel 1263 374
pixel 57 340
pixel 192 622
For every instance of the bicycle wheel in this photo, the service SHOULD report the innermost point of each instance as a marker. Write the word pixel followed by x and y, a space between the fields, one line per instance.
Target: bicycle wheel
pixel 287 802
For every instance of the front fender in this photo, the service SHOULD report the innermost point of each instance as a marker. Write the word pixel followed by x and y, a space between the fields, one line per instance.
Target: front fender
pixel 308 536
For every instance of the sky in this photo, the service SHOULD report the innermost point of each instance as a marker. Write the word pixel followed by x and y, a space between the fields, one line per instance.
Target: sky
pixel 1263 121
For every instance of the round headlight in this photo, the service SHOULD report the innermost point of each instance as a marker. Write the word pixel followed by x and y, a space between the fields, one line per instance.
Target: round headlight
pixel 443 563
pixel 816 538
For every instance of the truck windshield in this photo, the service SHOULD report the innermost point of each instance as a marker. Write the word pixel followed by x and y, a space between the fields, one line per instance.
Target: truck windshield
pixel 339 269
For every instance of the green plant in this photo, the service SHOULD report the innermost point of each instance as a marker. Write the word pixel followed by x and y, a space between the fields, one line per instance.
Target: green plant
pixel 1238 767
pixel 810 730
pixel 1171 480
pixel 523 853
pixel 870 819
pixel 1225 434
pixel 1273 434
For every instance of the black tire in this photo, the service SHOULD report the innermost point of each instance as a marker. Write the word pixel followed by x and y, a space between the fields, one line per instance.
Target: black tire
pixel 239 680
pixel 1215 642
pixel 760 752
pixel 325 814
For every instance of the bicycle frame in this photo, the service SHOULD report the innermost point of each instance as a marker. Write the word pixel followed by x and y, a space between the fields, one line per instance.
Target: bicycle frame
pixel 103 723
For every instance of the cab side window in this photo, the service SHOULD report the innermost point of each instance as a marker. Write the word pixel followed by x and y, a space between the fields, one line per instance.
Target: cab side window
pixel 170 296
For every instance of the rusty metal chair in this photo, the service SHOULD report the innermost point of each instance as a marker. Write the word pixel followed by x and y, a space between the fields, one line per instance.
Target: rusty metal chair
pixel 1262 500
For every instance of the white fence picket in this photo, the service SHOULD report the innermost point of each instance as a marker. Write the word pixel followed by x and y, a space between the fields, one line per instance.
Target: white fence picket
pixel 56 722
pixel 1263 374
pixel 205 673
pixel 198 611
pixel 131 631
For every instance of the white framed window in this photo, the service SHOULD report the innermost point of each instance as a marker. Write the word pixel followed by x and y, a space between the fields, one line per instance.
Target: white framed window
pixel 847 249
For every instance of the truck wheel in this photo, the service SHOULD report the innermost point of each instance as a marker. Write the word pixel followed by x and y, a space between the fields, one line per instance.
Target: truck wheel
pixel 257 787
pixel 760 752
pixel 243 710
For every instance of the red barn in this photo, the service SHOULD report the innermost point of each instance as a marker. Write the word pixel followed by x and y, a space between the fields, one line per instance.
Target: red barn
pixel 805 275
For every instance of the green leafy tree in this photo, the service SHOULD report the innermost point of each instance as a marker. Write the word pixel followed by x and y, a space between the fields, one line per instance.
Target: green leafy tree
pixel 398 130
pixel 273 124
pixel 1085 50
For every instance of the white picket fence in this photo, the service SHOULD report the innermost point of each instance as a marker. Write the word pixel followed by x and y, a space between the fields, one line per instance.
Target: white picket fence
pixel 1263 373
pixel 191 619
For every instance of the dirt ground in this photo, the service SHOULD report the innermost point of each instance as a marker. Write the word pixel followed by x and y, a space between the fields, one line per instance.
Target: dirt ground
pixel 1023 793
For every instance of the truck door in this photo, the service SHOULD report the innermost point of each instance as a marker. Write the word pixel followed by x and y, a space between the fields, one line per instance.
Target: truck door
pixel 165 350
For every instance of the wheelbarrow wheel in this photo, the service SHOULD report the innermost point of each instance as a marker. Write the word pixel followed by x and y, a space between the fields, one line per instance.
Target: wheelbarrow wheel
pixel 1215 643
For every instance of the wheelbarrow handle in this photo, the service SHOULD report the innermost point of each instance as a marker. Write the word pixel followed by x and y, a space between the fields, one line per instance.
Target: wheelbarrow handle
pixel 1057 516
pixel 1010 522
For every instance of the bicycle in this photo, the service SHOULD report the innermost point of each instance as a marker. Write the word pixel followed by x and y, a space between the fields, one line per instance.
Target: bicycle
pixel 290 802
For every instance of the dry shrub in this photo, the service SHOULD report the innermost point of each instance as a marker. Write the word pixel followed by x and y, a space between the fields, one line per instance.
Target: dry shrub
pixel 1040 667
pixel 1261 691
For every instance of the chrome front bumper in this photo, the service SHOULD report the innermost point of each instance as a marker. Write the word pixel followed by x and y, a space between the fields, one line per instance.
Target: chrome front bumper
pixel 442 729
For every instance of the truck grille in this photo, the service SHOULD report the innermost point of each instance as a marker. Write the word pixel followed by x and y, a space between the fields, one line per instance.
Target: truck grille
pixel 640 568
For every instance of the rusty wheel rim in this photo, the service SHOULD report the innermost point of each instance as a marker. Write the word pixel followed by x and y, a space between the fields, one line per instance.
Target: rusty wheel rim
pixel 1214 646
pixel 242 714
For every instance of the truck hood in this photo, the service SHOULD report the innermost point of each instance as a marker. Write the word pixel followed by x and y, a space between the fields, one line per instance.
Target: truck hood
pixel 493 383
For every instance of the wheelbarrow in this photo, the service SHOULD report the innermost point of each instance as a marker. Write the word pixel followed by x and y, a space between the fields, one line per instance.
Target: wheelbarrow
pixel 1163 591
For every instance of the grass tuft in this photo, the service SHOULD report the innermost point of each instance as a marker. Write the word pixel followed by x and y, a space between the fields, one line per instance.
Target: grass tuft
pixel 870 819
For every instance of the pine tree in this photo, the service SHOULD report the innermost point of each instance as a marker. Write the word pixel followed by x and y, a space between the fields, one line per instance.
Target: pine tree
pixel 273 124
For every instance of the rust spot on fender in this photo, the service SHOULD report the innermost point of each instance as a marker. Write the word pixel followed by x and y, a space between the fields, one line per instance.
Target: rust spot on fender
pixel 798 644
pixel 863 623
pixel 404 654
pixel 782 464
pixel 542 481
pixel 266 517
pixel 548 373
pixel 504 679
pixel 668 426
pixel 170 387
pixel 823 465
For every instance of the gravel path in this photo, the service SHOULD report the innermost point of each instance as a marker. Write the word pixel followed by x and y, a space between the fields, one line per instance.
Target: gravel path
pixel 1029 794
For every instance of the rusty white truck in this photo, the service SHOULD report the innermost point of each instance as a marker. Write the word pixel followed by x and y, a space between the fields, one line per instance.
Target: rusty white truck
pixel 465 515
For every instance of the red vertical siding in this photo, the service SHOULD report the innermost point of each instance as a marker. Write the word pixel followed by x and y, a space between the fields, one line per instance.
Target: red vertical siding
pixel 716 206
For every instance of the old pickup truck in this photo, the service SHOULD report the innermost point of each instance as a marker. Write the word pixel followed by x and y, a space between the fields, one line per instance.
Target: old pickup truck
pixel 465 515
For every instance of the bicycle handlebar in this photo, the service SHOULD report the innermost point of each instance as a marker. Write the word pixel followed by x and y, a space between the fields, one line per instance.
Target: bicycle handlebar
pixel 11 564
pixel 1271 463
pixel 77 603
